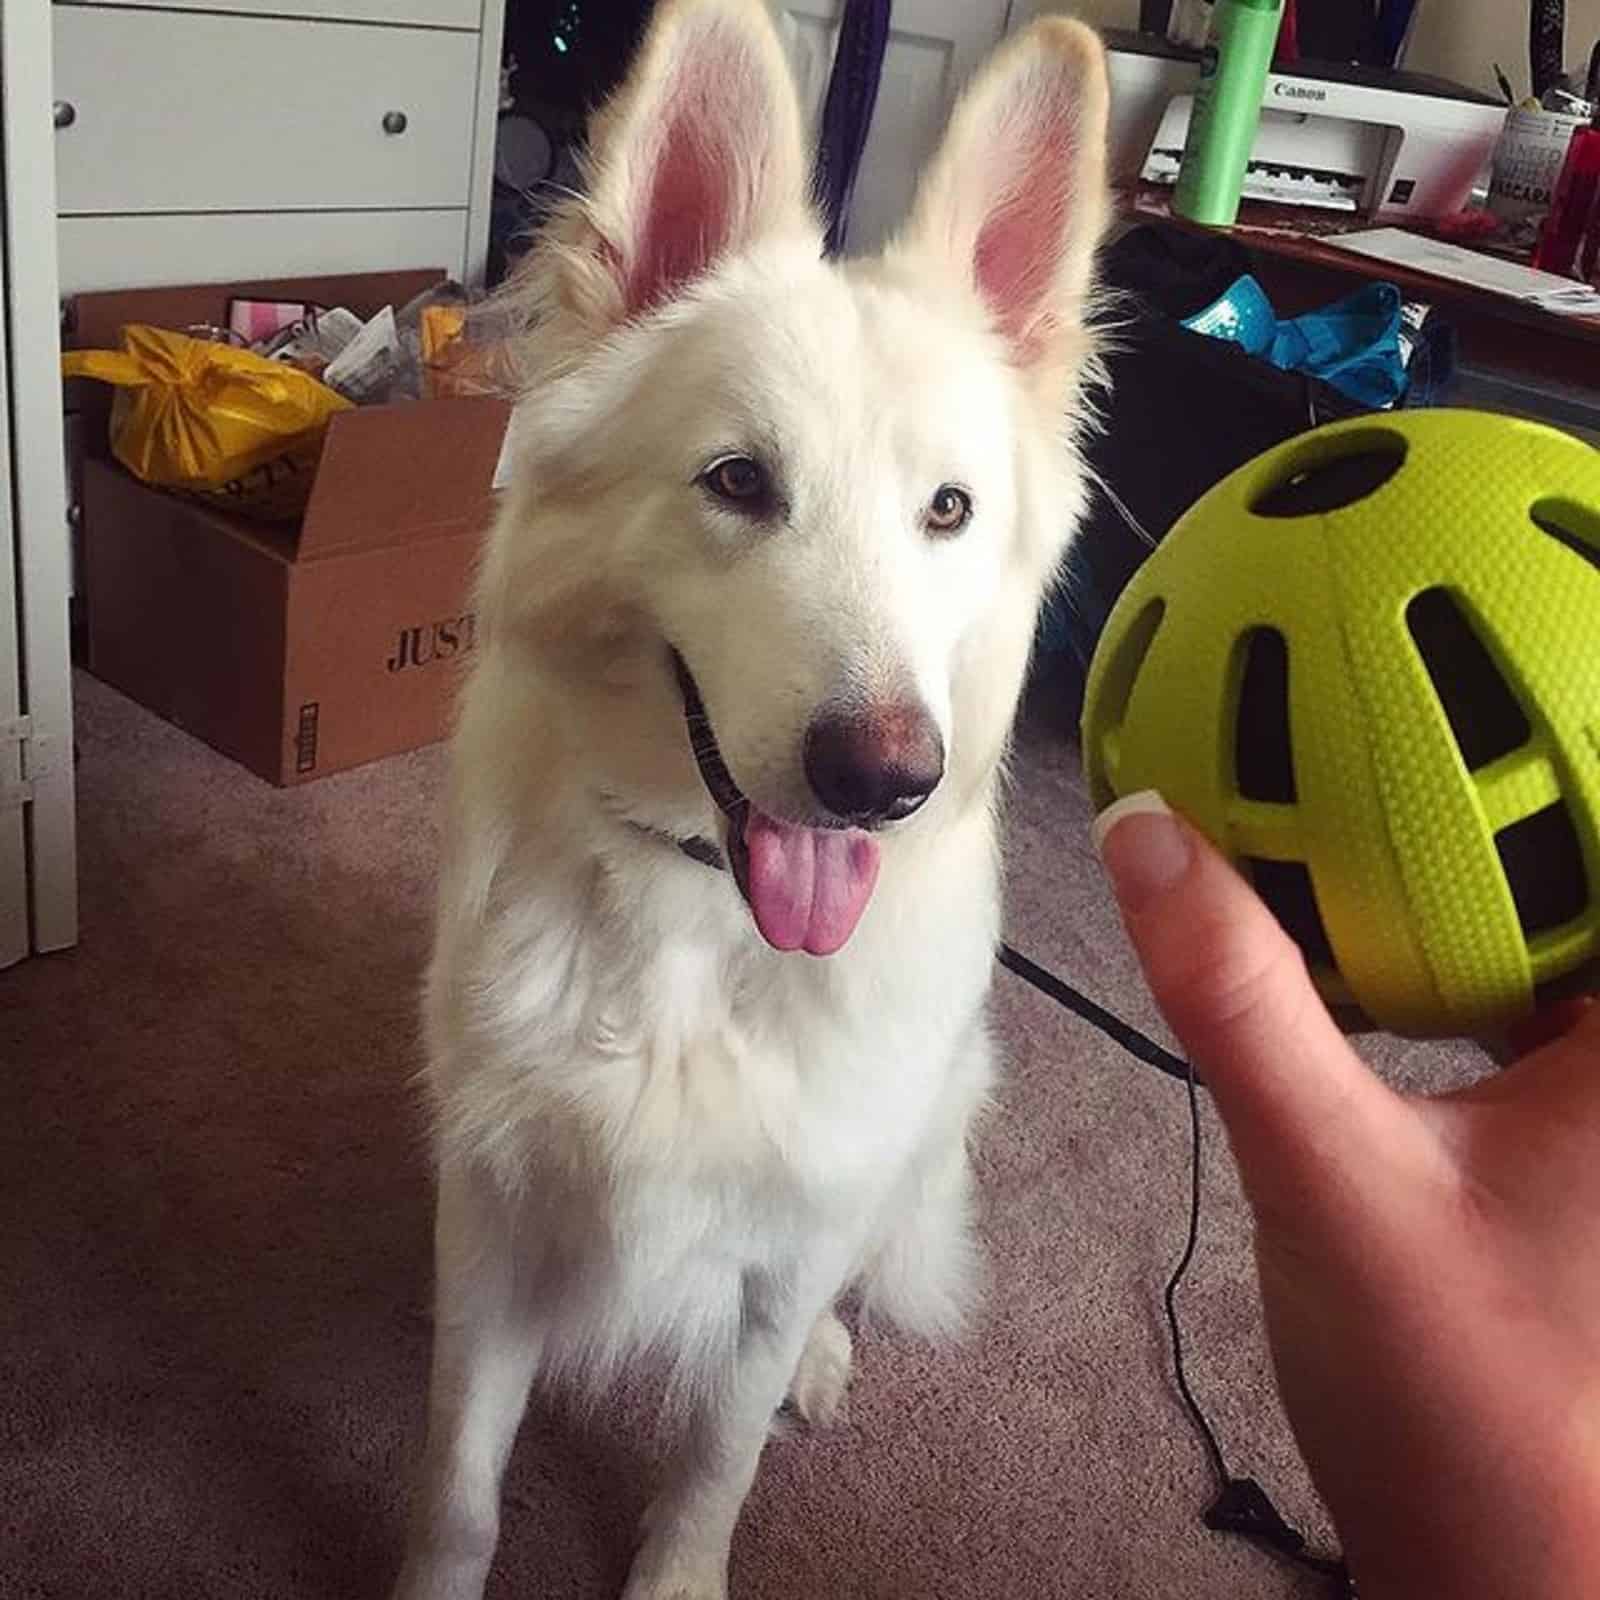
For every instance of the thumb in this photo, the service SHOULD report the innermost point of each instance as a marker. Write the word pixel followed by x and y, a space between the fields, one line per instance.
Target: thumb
pixel 1302 1110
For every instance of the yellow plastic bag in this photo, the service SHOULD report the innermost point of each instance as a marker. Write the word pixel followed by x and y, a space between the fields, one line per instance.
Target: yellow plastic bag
pixel 225 424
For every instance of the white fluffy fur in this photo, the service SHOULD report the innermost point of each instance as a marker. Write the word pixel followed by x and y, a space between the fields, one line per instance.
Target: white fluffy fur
pixel 655 1135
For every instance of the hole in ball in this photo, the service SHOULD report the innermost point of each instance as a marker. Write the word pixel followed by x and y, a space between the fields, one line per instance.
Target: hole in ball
pixel 1333 473
pixel 1291 896
pixel 1542 858
pixel 1122 671
pixel 1575 526
pixel 1263 756
pixel 1483 713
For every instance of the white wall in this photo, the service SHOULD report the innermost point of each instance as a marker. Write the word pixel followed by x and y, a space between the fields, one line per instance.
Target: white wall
pixel 1102 13
pixel 1458 39
pixel 1461 38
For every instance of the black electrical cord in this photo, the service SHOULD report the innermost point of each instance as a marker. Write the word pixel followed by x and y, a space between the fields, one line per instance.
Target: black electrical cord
pixel 1062 992
pixel 1242 1506
pixel 1169 1296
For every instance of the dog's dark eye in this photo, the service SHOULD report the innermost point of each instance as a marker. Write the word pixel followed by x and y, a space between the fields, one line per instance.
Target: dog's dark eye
pixel 739 479
pixel 949 511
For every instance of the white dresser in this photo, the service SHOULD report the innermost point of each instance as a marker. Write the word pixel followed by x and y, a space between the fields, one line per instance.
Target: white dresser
pixel 272 138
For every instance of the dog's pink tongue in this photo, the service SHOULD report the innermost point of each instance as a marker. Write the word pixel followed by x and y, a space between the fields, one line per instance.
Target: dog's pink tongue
pixel 808 886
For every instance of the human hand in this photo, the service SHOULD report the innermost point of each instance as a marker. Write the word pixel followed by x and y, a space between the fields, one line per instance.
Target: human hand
pixel 1430 1269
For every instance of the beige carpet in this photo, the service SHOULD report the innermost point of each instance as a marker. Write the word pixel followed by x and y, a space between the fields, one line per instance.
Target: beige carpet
pixel 213 1248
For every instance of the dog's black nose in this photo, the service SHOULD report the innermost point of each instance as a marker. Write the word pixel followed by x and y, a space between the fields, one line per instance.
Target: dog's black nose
pixel 874 766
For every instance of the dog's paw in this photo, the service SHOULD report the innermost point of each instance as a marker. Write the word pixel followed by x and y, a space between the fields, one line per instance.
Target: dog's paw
pixel 823 1374
pixel 440 1577
pixel 689 1586
pixel 661 1572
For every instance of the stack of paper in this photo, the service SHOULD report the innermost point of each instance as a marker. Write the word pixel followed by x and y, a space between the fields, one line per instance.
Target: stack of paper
pixel 1546 290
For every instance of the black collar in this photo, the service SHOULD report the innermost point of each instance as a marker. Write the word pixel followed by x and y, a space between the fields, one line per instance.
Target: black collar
pixel 695 846
pixel 703 851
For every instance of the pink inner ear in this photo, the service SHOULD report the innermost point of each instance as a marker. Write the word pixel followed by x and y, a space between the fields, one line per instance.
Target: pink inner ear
pixel 701 180
pixel 686 219
pixel 1022 242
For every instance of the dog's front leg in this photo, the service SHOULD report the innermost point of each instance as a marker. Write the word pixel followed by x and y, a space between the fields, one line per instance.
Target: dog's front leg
pixel 690 1525
pixel 485 1348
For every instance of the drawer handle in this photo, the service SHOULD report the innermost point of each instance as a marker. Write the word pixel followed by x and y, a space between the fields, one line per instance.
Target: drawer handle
pixel 394 122
pixel 64 113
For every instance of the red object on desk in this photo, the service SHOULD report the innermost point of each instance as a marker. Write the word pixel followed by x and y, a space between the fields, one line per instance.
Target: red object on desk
pixel 1287 52
pixel 1572 209
pixel 1467 228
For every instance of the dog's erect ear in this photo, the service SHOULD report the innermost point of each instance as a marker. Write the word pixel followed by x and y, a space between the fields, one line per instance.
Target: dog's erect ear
pixel 698 155
pixel 1015 198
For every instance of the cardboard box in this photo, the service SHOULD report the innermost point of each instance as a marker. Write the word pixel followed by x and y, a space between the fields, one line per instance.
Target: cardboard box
pixel 297 651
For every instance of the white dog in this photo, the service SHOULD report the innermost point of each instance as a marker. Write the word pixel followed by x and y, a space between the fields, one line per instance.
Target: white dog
pixel 706 1013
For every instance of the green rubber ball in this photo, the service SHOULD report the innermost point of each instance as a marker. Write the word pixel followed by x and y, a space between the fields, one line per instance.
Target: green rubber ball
pixel 1367 666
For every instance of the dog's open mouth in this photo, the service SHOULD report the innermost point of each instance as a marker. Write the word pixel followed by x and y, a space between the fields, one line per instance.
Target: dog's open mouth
pixel 806 887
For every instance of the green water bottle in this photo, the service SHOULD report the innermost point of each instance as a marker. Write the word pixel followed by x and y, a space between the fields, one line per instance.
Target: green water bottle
pixel 1227 110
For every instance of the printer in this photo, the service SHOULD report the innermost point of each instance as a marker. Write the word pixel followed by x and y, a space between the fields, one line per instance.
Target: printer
pixel 1392 146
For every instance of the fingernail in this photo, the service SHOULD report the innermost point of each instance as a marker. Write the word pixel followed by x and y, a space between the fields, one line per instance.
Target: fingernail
pixel 1144 847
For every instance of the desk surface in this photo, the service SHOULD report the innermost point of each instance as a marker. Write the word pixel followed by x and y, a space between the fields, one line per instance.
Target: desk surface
pixel 1297 237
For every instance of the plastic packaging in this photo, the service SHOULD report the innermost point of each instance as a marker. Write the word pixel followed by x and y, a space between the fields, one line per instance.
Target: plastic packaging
pixel 1227 111
pixel 217 422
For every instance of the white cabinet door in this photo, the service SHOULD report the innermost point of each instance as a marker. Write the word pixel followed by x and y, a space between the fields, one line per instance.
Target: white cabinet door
pixel 36 784
pixel 13 848
pixel 933 47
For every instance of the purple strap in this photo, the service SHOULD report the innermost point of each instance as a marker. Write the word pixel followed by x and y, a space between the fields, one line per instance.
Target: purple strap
pixel 847 112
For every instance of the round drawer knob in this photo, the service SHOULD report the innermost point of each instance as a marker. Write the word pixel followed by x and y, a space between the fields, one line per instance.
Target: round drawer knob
pixel 394 122
pixel 64 113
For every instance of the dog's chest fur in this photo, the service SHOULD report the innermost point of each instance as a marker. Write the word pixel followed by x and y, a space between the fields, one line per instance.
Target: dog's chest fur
pixel 628 996
pixel 679 1107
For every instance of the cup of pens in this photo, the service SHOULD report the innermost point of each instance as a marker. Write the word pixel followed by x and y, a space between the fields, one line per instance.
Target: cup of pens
pixel 1569 236
pixel 1527 162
